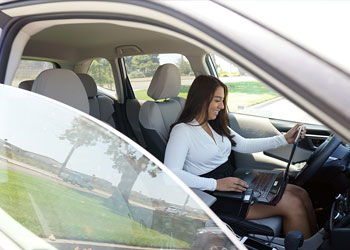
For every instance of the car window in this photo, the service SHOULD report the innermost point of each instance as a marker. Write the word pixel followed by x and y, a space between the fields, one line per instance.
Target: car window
pixel 248 95
pixel 29 70
pixel 141 68
pixel 78 184
pixel 101 70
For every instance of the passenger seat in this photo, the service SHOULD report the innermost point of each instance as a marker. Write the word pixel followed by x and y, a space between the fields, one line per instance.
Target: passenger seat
pixel 28 84
pixel 101 106
pixel 64 86
pixel 156 117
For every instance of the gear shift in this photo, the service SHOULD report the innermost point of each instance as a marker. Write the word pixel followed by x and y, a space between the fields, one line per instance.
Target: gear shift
pixel 293 240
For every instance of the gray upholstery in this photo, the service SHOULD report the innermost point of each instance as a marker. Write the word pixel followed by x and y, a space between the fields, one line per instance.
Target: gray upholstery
pixel 132 112
pixel 62 85
pixel 159 116
pixel 101 107
pixel 205 197
pixel 275 223
pixel 89 84
pixel 26 85
pixel 165 83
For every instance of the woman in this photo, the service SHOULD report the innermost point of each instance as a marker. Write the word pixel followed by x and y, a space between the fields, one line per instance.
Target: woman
pixel 200 143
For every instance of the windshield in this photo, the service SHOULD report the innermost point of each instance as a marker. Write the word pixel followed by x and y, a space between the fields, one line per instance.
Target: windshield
pixel 76 184
pixel 322 34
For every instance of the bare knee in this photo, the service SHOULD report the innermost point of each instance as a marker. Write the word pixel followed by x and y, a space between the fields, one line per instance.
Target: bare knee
pixel 291 205
pixel 299 191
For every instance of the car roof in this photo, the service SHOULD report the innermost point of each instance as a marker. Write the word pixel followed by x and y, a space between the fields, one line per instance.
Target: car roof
pixel 102 39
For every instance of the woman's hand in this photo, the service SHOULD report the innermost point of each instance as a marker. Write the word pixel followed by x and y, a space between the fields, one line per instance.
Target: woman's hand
pixel 293 132
pixel 231 184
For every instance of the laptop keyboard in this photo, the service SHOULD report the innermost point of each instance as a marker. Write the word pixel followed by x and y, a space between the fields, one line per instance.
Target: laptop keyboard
pixel 261 182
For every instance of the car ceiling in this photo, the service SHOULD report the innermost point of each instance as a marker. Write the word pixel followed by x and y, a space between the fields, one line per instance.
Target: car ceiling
pixel 85 40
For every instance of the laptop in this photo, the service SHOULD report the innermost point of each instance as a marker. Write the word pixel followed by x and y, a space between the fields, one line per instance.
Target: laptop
pixel 267 185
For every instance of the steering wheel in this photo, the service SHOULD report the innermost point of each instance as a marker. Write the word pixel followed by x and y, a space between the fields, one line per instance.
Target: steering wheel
pixel 317 159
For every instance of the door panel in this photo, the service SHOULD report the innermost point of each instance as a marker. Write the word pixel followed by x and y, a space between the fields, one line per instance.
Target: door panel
pixel 316 134
pixel 256 127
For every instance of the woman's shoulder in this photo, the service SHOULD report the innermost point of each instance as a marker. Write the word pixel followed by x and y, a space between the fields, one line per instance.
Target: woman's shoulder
pixel 181 127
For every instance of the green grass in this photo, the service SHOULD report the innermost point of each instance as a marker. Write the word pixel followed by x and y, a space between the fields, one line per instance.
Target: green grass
pixel 71 214
pixel 246 94
pixel 242 94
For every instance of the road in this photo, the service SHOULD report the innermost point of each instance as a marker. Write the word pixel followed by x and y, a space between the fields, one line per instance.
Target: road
pixel 280 108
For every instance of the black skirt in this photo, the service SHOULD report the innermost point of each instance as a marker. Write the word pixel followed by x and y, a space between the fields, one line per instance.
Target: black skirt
pixel 224 205
pixel 224 170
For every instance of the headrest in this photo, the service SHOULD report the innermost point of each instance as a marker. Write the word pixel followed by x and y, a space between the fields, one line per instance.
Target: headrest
pixel 165 83
pixel 89 84
pixel 26 85
pixel 62 85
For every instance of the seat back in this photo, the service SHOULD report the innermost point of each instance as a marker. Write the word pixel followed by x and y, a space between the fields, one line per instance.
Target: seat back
pixel 101 106
pixel 133 107
pixel 156 117
pixel 62 85
pixel 28 84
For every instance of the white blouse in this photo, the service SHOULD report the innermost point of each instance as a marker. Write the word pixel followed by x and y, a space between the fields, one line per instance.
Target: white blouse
pixel 191 152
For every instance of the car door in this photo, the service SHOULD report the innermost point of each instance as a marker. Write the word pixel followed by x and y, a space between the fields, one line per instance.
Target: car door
pixel 67 180
pixel 257 111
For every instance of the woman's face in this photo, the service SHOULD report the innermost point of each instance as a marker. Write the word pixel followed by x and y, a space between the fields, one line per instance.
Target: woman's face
pixel 216 104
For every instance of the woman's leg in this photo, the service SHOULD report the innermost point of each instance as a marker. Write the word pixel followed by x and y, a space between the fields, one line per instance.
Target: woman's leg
pixel 290 207
pixel 303 194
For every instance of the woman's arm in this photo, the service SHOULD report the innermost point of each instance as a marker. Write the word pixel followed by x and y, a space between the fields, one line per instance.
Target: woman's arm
pixel 244 145
pixel 175 157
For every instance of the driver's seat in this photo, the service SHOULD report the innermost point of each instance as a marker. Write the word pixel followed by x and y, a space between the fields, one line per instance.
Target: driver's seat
pixel 155 119
pixel 271 226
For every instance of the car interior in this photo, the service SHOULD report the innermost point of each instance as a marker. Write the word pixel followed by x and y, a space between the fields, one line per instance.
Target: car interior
pixel 71 46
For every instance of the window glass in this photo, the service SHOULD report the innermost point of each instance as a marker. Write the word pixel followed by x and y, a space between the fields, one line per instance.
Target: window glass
pixel 141 69
pixel 248 95
pixel 101 70
pixel 29 70
pixel 77 184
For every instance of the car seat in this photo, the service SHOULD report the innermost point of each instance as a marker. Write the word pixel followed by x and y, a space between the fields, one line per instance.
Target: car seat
pixel 155 119
pixel 28 84
pixel 157 116
pixel 62 85
pixel 101 106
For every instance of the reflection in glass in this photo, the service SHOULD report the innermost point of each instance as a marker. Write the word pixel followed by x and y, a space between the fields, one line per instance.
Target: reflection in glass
pixel 75 184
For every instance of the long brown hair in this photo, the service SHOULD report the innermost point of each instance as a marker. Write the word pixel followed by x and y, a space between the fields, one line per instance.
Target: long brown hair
pixel 198 99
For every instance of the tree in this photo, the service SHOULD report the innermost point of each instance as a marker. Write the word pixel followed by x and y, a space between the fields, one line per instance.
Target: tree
pixel 81 133
pixel 147 64
pixel 127 160
pixel 130 163
pixel 184 66
pixel 100 69
pixel 128 64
